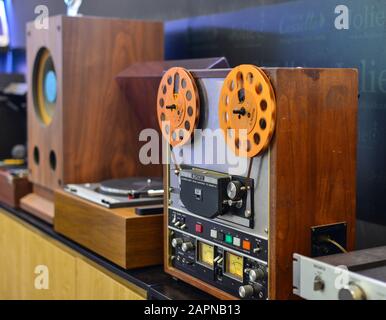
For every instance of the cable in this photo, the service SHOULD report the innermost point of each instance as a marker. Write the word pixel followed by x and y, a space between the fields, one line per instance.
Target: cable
pixel 333 242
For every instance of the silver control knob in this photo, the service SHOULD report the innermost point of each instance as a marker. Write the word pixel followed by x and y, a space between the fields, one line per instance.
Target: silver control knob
pixel 186 246
pixel 256 274
pixel 246 291
pixel 353 292
pixel 176 242
pixel 235 190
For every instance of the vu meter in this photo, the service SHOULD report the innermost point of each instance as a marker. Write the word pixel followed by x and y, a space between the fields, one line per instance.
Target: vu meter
pixel 206 254
pixel 234 266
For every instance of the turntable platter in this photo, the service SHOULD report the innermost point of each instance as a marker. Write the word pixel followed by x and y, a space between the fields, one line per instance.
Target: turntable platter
pixel 134 186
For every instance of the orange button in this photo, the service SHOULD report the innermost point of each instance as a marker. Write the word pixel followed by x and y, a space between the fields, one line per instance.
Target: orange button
pixel 246 245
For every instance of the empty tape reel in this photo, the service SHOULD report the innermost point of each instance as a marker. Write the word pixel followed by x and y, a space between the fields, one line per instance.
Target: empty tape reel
pixel 247 110
pixel 178 106
pixel 44 86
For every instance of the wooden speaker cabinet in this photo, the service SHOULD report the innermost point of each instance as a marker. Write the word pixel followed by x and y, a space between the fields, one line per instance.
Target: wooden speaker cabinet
pixel 80 126
pixel 232 230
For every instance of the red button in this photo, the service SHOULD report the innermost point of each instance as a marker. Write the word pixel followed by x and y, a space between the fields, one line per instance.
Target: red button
pixel 199 228
pixel 246 245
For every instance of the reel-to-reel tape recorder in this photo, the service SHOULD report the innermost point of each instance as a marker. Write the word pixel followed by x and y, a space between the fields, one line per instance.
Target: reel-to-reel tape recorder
pixel 259 161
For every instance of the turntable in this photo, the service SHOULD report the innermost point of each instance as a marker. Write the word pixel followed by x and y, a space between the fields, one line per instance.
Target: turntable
pixel 120 219
pixel 120 193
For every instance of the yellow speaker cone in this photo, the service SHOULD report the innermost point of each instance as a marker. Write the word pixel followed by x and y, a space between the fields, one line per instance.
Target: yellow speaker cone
pixel 44 86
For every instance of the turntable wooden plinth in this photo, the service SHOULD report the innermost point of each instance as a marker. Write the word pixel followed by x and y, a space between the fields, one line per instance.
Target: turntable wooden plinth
pixel 119 235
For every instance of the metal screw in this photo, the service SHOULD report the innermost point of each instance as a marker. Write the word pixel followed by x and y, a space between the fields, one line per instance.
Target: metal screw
pixel 266 230
pixel 248 213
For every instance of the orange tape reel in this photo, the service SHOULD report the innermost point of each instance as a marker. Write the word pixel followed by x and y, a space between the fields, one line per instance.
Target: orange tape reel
pixel 247 110
pixel 178 106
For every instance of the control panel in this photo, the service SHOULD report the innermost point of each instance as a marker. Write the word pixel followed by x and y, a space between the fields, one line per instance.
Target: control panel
pixel 226 258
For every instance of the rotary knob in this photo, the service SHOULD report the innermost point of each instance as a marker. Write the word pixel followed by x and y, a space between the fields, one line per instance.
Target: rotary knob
pixel 235 190
pixel 256 274
pixel 176 242
pixel 246 291
pixel 187 246
pixel 352 292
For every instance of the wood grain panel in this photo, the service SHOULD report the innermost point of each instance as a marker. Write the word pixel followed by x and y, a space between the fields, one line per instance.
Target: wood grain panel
pixel 93 284
pixel 313 163
pixel 119 235
pixel 22 250
pixel 61 266
pixel 71 276
pixel 11 254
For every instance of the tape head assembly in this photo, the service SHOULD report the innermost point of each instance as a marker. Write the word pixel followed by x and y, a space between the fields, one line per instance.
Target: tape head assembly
pixel 178 106
pixel 247 110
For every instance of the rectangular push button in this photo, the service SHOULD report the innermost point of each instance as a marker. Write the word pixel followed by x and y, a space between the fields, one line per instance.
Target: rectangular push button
pixel 246 245
pixel 236 242
pixel 199 228
pixel 213 233
pixel 228 239
pixel 220 236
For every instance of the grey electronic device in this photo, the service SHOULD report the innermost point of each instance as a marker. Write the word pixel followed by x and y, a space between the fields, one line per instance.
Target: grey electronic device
pixel 357 275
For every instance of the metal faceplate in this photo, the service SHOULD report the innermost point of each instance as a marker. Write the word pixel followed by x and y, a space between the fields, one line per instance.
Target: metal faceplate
pixel 210 91
pixel 185 226
pixel 317 280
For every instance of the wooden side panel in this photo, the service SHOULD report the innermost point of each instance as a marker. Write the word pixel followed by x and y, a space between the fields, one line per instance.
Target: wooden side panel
pixel 119 235
pixel 101 128
pixel 313 163
pixel 93 284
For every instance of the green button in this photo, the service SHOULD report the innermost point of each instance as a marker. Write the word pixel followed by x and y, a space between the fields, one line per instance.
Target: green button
pixel 228 239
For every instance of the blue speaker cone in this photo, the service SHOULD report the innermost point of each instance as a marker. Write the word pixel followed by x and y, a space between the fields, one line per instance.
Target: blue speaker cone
pixel 50 90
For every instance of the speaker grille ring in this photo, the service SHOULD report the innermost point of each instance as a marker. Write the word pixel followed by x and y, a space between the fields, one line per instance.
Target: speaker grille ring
pixel 44 86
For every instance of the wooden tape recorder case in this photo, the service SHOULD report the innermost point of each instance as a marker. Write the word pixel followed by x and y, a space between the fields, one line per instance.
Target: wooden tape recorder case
pixel 287 183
